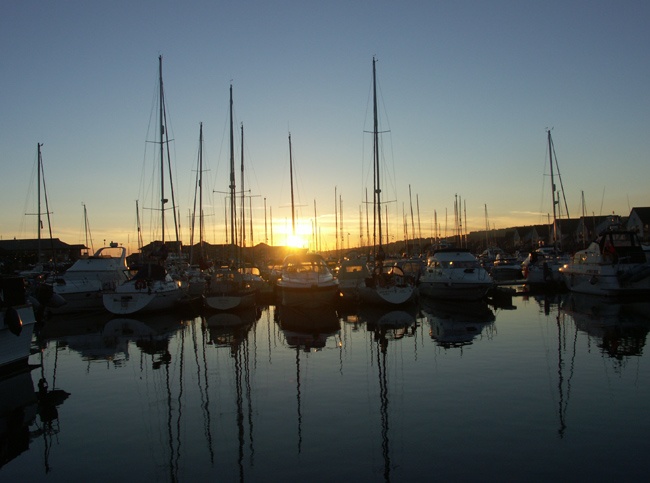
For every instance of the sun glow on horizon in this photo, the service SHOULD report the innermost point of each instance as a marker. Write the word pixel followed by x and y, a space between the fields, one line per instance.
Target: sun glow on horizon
pixel 296 241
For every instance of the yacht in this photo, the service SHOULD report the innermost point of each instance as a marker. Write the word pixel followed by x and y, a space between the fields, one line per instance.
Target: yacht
pixel 615 264
pixel 454 274
pixel 306 281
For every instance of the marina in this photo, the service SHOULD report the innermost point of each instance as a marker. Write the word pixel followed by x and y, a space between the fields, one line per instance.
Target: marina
pixel 342 306
pixel 539 390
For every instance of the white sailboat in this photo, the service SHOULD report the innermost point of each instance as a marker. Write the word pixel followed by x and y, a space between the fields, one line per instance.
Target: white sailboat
pixel 227 289
pixel 152 288
pixel 305 280
pixel 387 285
pixel 542 267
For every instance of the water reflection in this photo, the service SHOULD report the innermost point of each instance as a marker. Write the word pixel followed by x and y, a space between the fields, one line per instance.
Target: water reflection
pixel 104 337
pixel 388 327
pixel 306 330
pixel 18 409
pixel 457 324
pixel 231 330
pixel 21 408
pixel 620 327
pixel 196 393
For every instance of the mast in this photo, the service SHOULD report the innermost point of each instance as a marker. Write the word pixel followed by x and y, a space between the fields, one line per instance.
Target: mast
pixel 162 150
pixel 201 192
pixel 412 219
pixel 266 232
pixel 137 217
pixel 376 151
pixel 550 155
pixel 40 177
pixel 87 230
pixel 336 221
pixel 315 228
pixel 198 188
pixel 293 211
pixel 243 193
pixel 232 181
pixel 38 191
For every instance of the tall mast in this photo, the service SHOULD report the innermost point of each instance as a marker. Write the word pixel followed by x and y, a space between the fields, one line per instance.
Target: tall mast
pixel 266 228
pixel 201 191
pixel 232 178
pixel 293 212
pixel 336 221
pixel 38 191
pixel 550 155
pixel 376 150
pixel 243 193
pixel 198 189
pixel 162 149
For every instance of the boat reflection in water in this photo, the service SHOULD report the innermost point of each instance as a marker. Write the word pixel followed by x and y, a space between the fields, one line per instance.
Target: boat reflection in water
pixel 620 326
pixel 456 324
pixel 390 328
pixel 18 409
pixel 26 415
pixel 307 328
pixel 389 325
pixel 230 329
pixel 104 337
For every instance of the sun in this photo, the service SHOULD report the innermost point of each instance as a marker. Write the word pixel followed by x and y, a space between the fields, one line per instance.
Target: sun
pixel 296 241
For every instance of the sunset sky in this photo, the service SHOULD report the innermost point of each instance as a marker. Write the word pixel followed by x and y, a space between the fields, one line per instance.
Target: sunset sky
pixel 467 92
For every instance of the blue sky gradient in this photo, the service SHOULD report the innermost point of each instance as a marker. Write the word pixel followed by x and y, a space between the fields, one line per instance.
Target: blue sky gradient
pixel 467 91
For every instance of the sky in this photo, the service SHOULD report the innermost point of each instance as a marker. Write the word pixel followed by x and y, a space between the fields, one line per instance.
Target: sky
pixel 466 91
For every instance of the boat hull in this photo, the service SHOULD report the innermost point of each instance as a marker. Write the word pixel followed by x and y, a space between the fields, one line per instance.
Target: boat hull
pixel 131 300
pixel 227 302
pixel 608 280
pixel 389 296
pixel 16 330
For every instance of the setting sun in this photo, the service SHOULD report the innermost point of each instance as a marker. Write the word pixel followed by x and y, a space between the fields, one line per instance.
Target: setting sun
pixel 296 241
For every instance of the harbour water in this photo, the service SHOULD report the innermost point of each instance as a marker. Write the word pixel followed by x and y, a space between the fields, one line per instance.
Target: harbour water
pixel 552 388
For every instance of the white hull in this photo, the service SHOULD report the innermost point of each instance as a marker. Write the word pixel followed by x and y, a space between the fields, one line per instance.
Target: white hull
pixel 128 299
pixel 82 286
pixel 609 280
pixel 79 302
pixel 455 274
pixel 613 265
pixel 307 282
pixel 229 302
pixel 15 346
pixel 394 295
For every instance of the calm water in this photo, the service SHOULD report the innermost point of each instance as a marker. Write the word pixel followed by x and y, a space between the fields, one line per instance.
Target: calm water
pixel 554 388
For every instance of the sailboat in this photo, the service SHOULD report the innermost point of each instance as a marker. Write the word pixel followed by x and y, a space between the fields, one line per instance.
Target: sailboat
pixel 152 288
pixel 226 288
pixel 306 280
pixel 542 267
pixel 387 285
pixel 196 271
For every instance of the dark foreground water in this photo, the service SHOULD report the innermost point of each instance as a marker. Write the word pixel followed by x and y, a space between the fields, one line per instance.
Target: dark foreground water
pixel 553 388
